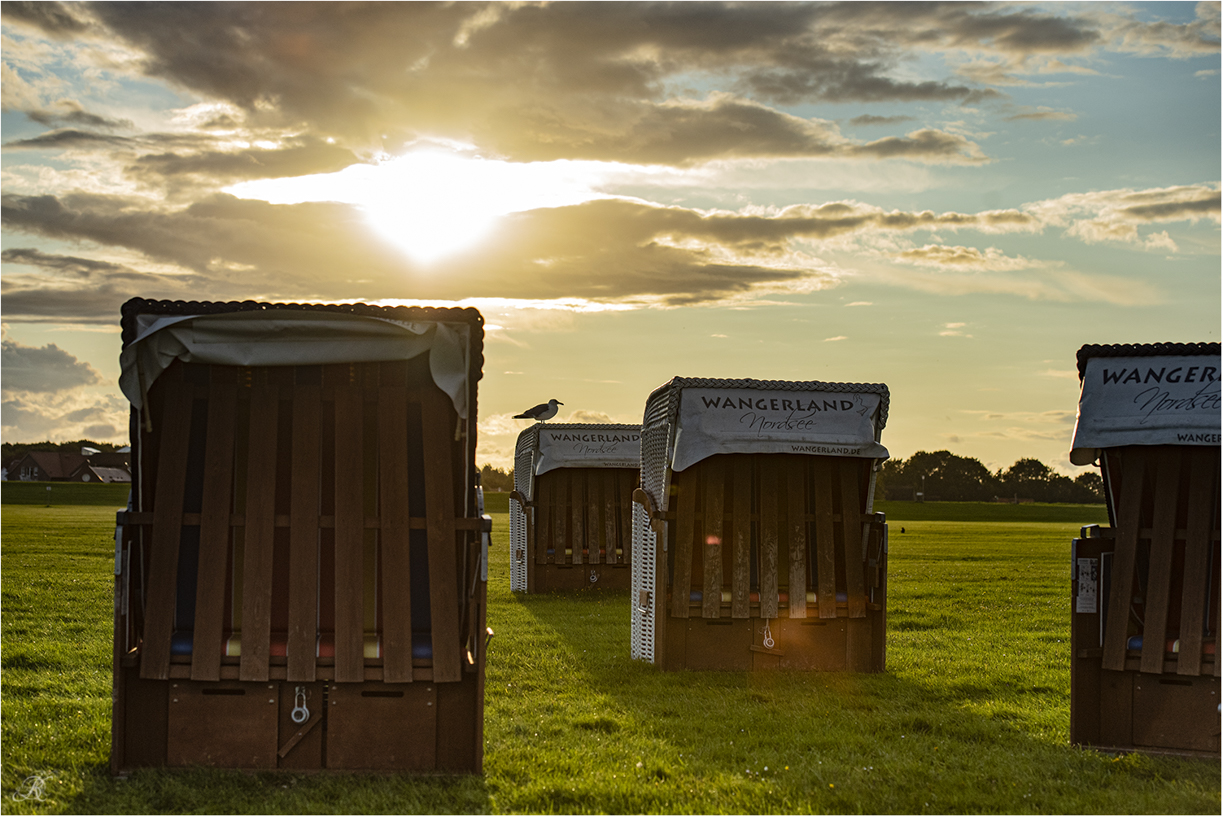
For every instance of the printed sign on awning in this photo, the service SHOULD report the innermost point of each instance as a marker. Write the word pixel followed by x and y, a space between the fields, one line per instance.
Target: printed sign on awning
pixel 589 447
pixel 760 421
pixel 1166 400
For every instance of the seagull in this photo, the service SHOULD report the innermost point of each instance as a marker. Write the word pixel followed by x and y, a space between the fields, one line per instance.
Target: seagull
pixel 544 411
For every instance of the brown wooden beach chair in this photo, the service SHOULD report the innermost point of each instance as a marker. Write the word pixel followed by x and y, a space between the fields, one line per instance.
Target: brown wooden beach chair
pixel 1145 600
pixel 570 511
pixel 755 545
pixel 300 576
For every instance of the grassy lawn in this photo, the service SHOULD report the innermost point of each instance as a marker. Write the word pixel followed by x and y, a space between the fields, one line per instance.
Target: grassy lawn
pixel 971 717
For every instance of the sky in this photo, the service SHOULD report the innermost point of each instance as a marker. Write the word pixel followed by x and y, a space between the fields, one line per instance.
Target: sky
pixel 949 199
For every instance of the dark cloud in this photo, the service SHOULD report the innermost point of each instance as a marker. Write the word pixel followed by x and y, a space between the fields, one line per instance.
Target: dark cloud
pixel 1203 204
pixel 610 250
pixel 871 120
pixel 64 264
pixel 85 290
pixel 721 127
pixel 69 139
pixel 215 168
pixel 42 370
pixel 55 19
pixel 924 145
pixel 568 80
pixel 70 112
pixel 1043 116
pixel 198 159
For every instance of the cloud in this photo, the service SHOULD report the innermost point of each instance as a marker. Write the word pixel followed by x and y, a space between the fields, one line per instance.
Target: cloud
pixel 954 330
pixel 191 160
pixel 940 256
pixel 1161 38
pixel 71 112
pixel 590 80
pixel 44 370
pixel 64 416
pixel 1117 215
pixel 683 132
pixel 82 289
pixel 870 120
pixel 584 416
pixel 1042 114
pixel 834 339
pixel 604 251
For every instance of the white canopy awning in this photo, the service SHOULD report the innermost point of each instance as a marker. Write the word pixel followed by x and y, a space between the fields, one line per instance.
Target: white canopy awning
pixel 588 446
pixel 1151 400
pixel 292 338
pixel 729 420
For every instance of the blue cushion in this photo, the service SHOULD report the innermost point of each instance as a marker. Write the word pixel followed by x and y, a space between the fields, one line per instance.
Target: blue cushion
pixel 180 642
pixel 422 645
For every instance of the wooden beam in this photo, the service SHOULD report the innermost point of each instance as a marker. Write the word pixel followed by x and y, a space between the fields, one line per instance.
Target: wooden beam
pixel 215 509
pixel 260 530
pixel 175 425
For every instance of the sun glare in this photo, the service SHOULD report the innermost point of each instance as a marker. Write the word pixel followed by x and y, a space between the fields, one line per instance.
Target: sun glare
pixel 433 203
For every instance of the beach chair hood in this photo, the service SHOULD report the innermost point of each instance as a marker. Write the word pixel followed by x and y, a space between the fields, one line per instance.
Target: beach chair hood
pixel 689 419
pixel 1146 394
pixel 250 334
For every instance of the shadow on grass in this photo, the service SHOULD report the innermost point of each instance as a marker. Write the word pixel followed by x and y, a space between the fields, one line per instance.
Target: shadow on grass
pixel 894 742
pixel 219 791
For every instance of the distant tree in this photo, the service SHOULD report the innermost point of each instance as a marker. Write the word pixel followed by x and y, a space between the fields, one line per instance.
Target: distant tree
pixel 941 475
pixel 11 451
pixel 1090 486
pixel 1028 478
pixel 494 479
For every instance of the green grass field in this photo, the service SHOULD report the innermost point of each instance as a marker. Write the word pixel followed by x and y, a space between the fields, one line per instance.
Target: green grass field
pixel 113 495
pixel 971 716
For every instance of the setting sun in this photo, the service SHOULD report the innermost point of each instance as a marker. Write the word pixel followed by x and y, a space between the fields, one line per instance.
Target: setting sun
pixel 432 203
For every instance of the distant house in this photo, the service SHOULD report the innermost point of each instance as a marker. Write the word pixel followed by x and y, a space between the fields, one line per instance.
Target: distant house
pixel 88 472
pixel 48 466
pixel 61 466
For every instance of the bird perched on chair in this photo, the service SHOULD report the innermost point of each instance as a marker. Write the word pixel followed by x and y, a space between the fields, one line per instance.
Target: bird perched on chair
pixel 544 411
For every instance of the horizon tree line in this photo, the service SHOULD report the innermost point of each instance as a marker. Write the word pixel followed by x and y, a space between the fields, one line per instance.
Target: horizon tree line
pixel 938 476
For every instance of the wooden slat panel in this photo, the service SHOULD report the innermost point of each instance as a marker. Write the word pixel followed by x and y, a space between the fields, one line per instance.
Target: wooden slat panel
pixel 577 512
pixel 1203 500
pixel 438 419
pixel 175 423
pixel 685 524
pixel 214 534
pixel 855 534
pixel 628 483
pixel 796 533
pixel 825 541
pixel 349 537
pixel 396 557
pixel 741 535
pixel 769 539
pixel 560 517
pixel 1155 621
pixel 1123 560
pixel 304 533
pixel 594 515
pixel 544 537
pixel 715 498
pixel 611 515
pixel 259 535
